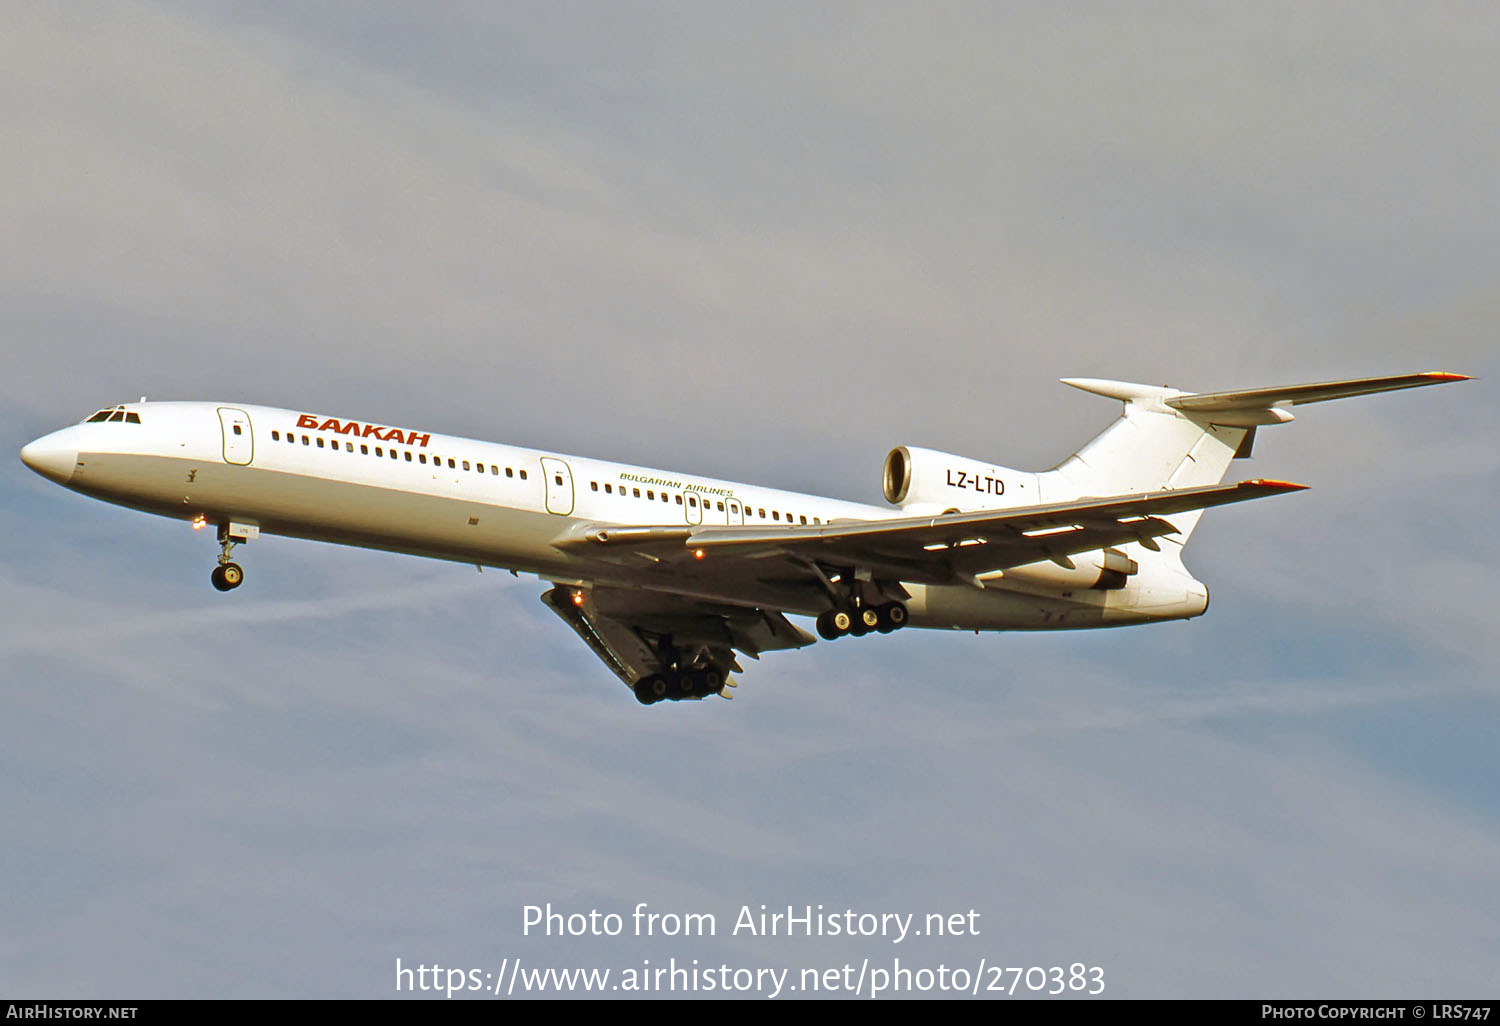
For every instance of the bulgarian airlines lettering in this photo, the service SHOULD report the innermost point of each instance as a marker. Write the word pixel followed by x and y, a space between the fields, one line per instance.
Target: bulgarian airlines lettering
pixel 354 427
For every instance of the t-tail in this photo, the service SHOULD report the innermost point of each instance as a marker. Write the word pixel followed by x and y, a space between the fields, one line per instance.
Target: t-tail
pixel 1167 438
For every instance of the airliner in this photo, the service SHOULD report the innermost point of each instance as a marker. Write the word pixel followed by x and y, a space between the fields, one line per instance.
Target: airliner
pixel 669 576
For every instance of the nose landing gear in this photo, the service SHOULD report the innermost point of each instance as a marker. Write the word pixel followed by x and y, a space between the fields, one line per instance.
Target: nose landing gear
pixel 229 575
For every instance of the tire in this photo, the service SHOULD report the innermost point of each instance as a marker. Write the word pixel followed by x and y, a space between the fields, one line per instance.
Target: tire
pixel 650 690
pixel 217 577
pixel 232 574
pixel 897 614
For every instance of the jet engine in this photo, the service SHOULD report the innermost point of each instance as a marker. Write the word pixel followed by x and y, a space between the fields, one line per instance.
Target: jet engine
pixel 929 481
pixel 1100 570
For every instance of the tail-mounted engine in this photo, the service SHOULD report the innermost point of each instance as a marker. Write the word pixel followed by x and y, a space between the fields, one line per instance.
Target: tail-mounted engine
pixel 925 480
pixel 1101 570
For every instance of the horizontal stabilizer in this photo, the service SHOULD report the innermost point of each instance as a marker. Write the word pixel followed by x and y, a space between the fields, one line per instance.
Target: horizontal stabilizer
pixel 1295 395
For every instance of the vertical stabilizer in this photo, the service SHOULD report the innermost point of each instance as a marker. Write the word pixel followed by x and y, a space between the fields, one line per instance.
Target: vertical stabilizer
pixel 1168 438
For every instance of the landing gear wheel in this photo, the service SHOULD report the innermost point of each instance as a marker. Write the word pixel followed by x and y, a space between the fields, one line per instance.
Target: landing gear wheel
pixel 826 628
pixel 869 618
pixel 892 617
pixel 227 577
pixel 713 682
pixel 650 690
pixel 841 620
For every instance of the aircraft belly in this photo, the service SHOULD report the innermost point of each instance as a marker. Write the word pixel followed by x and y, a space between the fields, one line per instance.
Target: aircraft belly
pixel 965 608
pixel 369 515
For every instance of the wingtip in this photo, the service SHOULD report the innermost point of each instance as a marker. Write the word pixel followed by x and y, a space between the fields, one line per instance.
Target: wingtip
pixel 1446 376
pixel 1275 485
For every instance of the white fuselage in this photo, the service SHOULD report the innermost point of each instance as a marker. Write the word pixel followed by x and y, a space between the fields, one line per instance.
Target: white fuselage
pixel 388 487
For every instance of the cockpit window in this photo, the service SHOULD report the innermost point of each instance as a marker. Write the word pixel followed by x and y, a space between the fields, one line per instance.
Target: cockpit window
pixel 115 414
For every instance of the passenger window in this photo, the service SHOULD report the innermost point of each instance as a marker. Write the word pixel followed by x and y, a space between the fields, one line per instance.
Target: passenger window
pixel 320 443
pixel 466 464
pixel 762 514
pixel 693 501
pixel 523 475
pixel 408 456
pixel 305 440
pixel 494 470
pixel 636 492
pixel 608 489
pixel 650 494
pixel 275 436
pixel 678 498
pixel 421 456
pixel 593 486
pixel 557 478
pixel 721 507
pixel 378 451
pixel 364 450
pixel 451 464
pixel 804 520
pixel 775 515
pixel 348 446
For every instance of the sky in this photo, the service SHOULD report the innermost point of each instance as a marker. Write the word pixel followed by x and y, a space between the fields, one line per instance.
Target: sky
pixel 766 243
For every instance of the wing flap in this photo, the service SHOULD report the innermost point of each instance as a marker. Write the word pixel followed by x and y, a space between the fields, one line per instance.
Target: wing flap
pixel 933 550
pixel 1094 523
pixel 630 631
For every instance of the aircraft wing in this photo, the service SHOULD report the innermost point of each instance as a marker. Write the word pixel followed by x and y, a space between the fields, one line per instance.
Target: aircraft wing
pixel 934 549
pixel 639 633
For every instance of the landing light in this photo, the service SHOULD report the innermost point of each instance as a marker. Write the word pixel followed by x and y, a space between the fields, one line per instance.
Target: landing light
pixel 697 553
pixel 578 598
pixel 200 522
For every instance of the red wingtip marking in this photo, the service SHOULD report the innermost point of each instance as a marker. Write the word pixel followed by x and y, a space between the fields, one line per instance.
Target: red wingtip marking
pixel 1285 486
pixel 1445 376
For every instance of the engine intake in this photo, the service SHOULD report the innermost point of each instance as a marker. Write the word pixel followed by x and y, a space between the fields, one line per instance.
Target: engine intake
pixel 938 481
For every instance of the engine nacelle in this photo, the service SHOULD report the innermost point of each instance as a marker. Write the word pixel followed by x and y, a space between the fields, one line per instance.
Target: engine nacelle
pixel 928 481
pixel 1103 570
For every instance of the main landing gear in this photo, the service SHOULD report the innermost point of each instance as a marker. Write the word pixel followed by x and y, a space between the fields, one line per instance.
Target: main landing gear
pixel 685 674
pixel 859 620
pixel 228 575
pixel 678 685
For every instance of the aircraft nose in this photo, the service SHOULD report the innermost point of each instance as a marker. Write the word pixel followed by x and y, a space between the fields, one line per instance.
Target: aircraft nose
pixel 52 457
